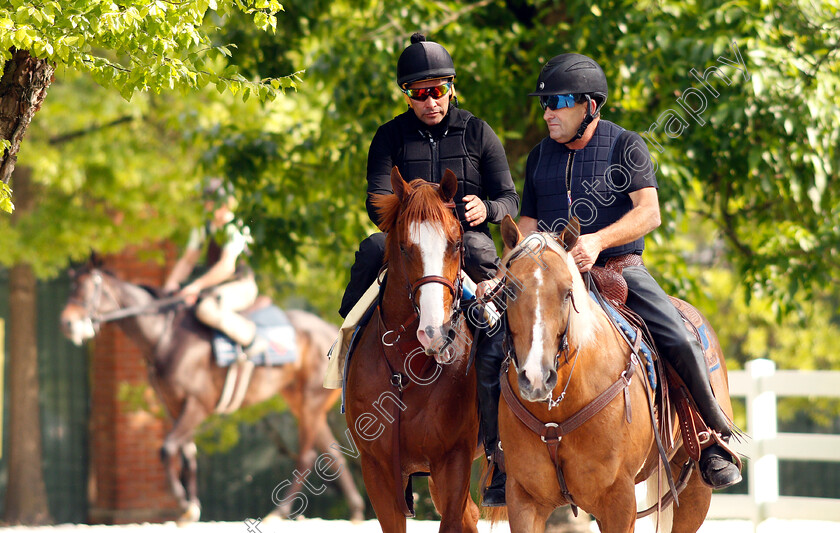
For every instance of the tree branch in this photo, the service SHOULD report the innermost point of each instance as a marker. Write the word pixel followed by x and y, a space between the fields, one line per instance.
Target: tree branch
pixel 60 139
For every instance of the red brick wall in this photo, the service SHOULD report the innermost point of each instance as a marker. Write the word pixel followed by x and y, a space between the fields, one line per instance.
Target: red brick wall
pixel 127 483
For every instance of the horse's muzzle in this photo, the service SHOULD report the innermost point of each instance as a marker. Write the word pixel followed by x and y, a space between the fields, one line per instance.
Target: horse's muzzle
pixel 539 392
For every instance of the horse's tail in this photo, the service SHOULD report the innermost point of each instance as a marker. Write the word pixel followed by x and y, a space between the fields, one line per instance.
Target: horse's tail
pixel 493 514
pixel 652 490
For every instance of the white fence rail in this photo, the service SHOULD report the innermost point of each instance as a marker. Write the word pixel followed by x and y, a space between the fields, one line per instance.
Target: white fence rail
pixel 760 384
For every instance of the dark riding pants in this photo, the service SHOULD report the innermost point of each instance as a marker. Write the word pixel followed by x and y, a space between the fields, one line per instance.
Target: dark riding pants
pixel 674 342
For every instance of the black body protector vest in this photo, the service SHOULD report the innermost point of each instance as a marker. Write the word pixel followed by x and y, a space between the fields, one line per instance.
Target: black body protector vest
pixel 424 156
pixel 598 184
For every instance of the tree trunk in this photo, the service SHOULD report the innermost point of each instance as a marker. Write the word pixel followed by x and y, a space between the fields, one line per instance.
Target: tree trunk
pixel 23 88
pixel 26 494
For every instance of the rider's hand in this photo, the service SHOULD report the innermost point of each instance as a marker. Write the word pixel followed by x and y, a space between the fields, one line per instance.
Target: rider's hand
pixel 586 251
pixel 476 211
pixel 190 293
pixel 486 286
pixel 170 287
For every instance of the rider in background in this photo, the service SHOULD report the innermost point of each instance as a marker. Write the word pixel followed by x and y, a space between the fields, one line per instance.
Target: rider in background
pixel 604 176
pixel 228 284
pixel 431 136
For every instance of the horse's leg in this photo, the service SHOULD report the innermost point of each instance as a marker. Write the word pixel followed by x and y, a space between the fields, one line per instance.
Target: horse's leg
pixel 178 451
pixel 323 439
pixel 694 504
pixel 310 418
pixel 524 513
pixel 616 510
pixel 449 485
pixel 379 483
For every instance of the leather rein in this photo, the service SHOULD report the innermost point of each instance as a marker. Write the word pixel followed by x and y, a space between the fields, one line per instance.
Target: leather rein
pixel 91 306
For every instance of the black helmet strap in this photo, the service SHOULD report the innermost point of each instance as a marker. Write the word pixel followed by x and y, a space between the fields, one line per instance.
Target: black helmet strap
pixel 587 120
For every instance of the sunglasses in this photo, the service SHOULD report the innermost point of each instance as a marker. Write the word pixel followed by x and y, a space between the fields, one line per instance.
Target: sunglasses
pixel 557 101
pixel 435 92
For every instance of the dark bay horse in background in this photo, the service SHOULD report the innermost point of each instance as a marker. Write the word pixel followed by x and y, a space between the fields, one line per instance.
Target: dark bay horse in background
pixel 565 354
pixel 411 396
pixel 184 373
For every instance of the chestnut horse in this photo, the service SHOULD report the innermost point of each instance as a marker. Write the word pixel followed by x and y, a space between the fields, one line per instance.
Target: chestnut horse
pixel 409 412
pixel 565 354
pixel 184 373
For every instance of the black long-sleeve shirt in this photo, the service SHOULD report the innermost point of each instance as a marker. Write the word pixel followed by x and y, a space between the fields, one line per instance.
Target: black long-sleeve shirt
pixel 483 149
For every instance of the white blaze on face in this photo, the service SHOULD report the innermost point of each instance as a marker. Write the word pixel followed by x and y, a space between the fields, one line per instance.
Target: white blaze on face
pixel 432 245
pixel 533 361
pixel 81 330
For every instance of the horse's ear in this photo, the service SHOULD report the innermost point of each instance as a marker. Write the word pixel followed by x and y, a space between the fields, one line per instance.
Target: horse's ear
pixel 398 184
pixel 448 186
pixel 511 235
pixel 569 235
pixel 95 260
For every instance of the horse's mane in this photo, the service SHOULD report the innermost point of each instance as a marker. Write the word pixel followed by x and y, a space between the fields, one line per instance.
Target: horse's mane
pixel 421 203
pixel 585 325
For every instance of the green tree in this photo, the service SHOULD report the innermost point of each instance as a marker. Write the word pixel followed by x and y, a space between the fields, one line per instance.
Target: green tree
pixel 129 47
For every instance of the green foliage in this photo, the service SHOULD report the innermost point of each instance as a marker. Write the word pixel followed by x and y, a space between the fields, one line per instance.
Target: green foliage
pixel 758 168
pixel 6 198
pixel 137 45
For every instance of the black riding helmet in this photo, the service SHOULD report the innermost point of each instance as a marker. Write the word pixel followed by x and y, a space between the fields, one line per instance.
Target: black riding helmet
pixel 574 74
pixel 423 60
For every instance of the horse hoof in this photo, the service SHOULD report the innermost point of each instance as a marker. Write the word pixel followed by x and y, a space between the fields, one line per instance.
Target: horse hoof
pixel 357 517
pixel 191 515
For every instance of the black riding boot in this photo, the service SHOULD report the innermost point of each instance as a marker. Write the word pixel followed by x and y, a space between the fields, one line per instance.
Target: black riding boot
pixel 684 352
pixel 488 362
pixel 716 466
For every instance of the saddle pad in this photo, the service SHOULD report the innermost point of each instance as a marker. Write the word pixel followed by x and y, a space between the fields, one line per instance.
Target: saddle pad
pixel 631 335
pixel 272 325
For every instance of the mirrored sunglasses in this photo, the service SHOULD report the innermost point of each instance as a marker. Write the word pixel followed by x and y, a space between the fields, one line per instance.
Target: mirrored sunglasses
pixel 557 101
pixel 435 92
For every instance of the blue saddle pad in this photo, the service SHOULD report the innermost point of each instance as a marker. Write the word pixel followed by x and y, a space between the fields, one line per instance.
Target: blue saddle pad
pixel 273 325
pixel 630 333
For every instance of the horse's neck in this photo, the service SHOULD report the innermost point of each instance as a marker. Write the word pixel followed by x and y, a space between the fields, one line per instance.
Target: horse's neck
pixel 145 330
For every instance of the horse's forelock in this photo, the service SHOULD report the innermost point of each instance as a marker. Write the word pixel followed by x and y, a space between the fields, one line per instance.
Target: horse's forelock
pixel 584 325
pixel 421 203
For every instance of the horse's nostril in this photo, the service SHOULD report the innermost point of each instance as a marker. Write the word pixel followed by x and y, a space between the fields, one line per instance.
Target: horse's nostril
pixel 430 332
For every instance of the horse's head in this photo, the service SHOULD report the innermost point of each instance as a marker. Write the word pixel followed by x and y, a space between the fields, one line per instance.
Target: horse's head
pixel 425 246
pixel 547 305
pixel 90 297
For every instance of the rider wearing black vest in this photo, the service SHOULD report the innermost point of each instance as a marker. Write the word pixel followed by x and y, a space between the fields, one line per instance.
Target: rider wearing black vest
pixel 604 175
pixel 431 136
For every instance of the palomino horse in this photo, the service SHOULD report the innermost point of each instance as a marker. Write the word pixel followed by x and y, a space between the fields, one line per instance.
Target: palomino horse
pixel 411 413
pixel 586 397
pixel 183 371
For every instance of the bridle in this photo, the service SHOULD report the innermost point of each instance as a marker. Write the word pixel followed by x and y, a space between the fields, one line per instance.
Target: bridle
pixel 456 288
pixel 91 305
pixel 563 348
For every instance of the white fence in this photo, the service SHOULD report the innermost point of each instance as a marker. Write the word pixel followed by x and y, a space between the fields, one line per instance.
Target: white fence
pixel 761 384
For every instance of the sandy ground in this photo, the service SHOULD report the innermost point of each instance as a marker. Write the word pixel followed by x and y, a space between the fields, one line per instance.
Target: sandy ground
pixel 371 526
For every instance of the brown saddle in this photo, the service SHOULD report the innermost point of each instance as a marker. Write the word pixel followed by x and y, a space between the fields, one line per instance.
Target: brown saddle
pixel 695 433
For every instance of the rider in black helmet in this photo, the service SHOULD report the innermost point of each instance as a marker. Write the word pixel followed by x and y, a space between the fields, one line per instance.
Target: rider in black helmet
pixel 578 165
pixel 431 136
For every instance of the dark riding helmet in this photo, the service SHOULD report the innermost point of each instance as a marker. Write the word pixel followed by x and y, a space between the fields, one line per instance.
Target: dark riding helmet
pixel 423 60
pixel 572 74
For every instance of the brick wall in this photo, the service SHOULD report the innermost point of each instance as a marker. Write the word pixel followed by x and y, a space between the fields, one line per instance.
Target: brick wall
pixel 127 482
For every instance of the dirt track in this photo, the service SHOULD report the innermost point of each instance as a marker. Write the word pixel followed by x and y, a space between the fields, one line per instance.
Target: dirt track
pixel 371 526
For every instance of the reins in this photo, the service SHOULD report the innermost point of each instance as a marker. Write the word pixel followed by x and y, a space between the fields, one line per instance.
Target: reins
pixel 91 306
